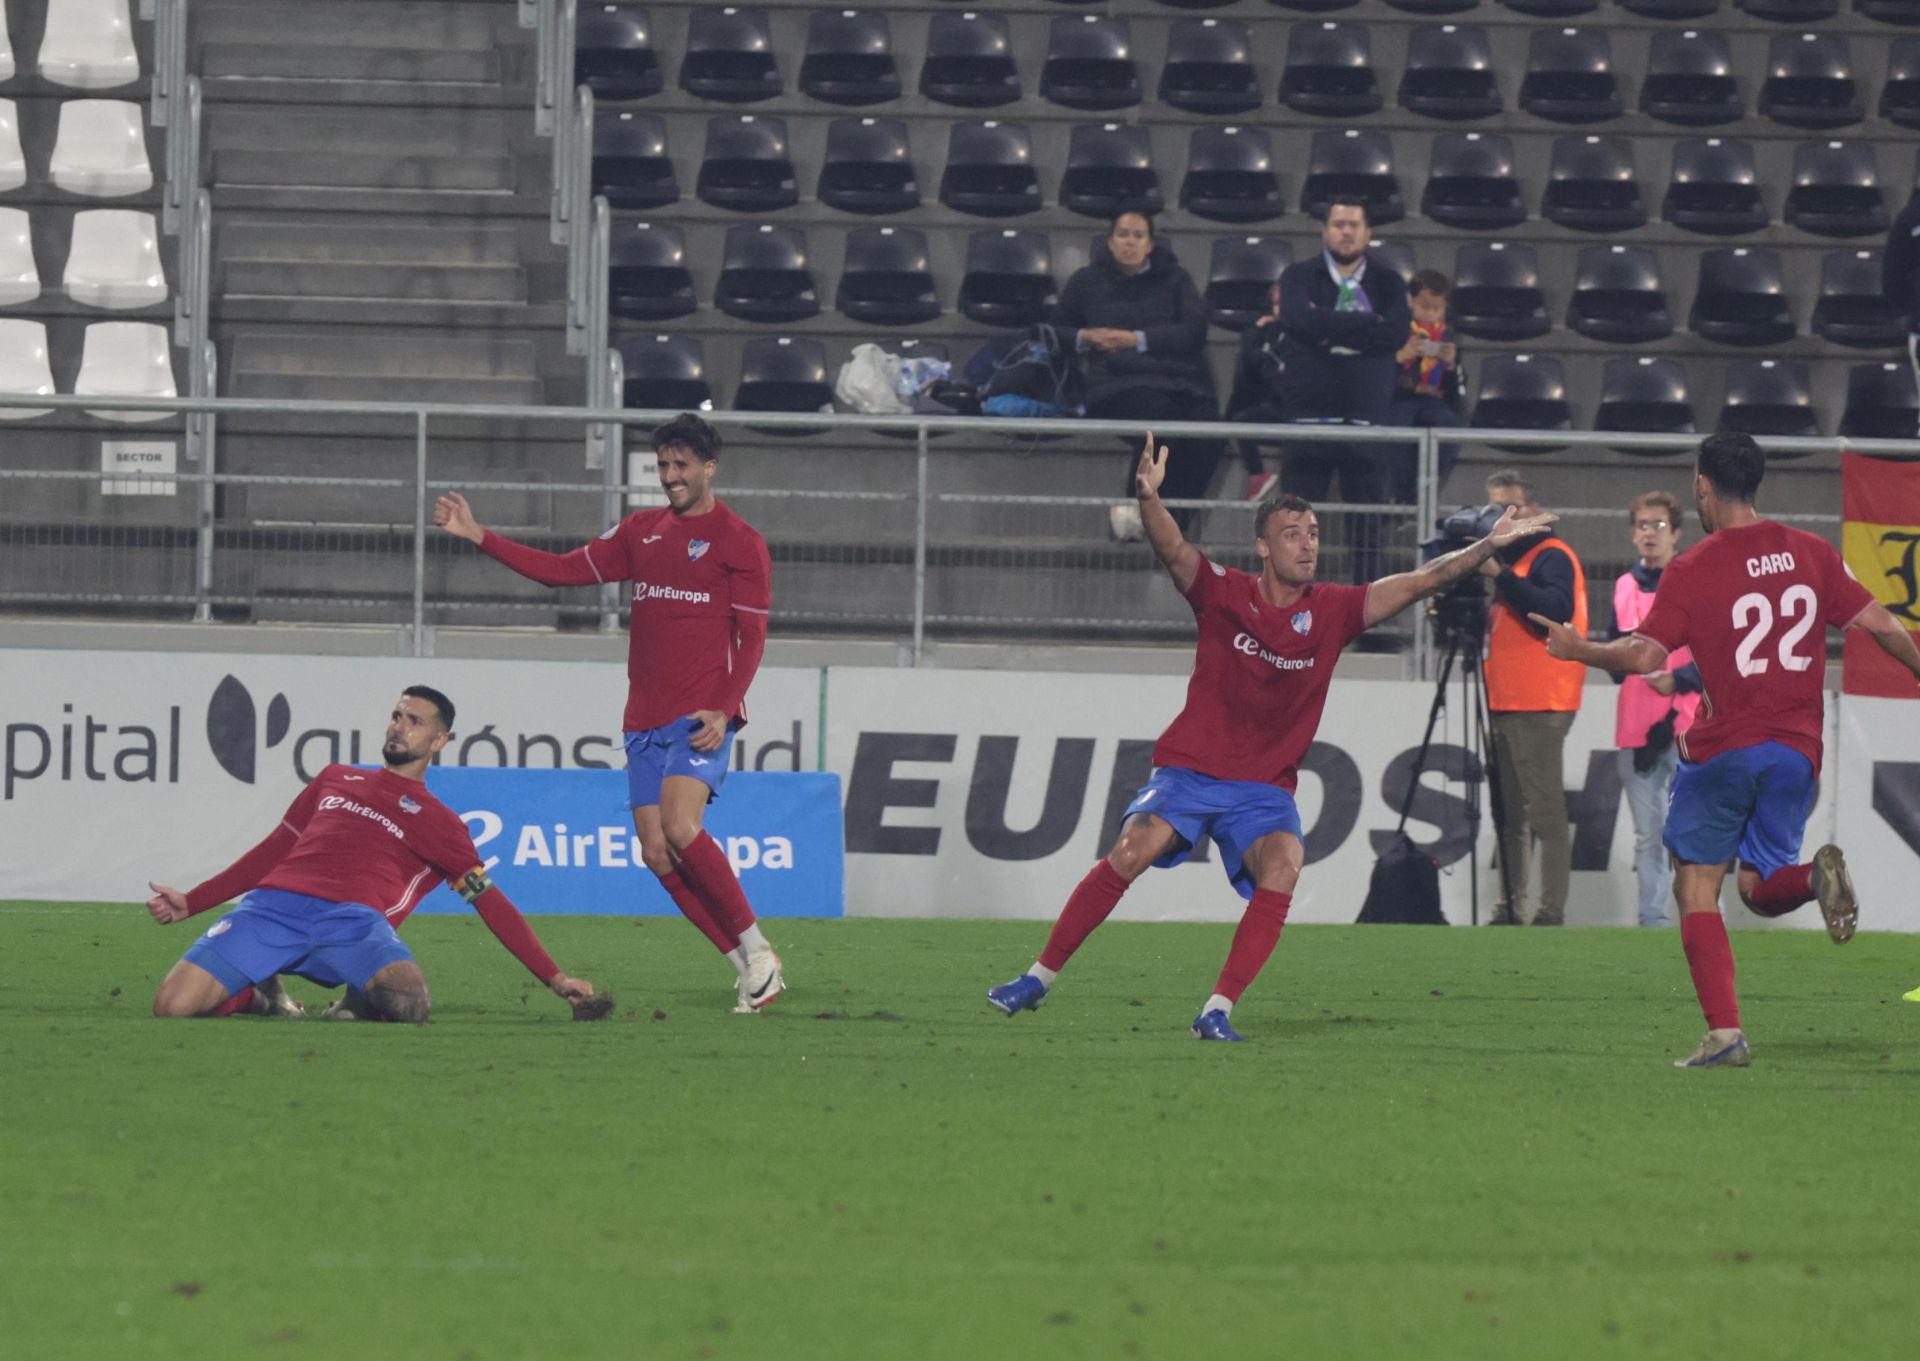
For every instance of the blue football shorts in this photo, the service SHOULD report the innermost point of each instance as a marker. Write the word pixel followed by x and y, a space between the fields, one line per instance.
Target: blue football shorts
pixel 1752 802
pixel 655 753
pixel 1233 814
pixel 273 931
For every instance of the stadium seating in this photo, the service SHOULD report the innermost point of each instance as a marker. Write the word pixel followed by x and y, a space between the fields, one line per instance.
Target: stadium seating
pixel 1713 187
pixel 1449 73
pixel 1472 183
pixel 1670 9
pixel 1230 176
pixel 1881 402
pixel 1496 292
pixel 1522 392
pixel 613 53
pixel 1647 395
pixel 665 373
pixel 1689 80
pixel 13 161
pixel 101 149
pixel 631 167
pixel 1617 296
pixel 746 166
pixel 990 170
pixel 126 359
pixel 1790 11
pixel 1810 82
pixel 1742 298
pixel 1433 6
pixel 1570 76
pixel 849 58
pixel 1592 187
pixel 1110 170
pixel 23 365
pixel 1240 271
pixel 1209 67
pixel 1552 9
pixel 1851 309
pixel 648 279
pixel 1356 162
pixel 1836 190
pixel 784 373
pixel 730 56
pixel 114 260
pixel 88 45
pixel 887 279
pixel 19 275
pixel 1329 71
pixel 969 61
pixel 868 167
pixel 1009 278
pixel 1890 11
pixel 765 275
pixel 6 47
pixel 1089 63
pixel 1768 397
pixel 1900 96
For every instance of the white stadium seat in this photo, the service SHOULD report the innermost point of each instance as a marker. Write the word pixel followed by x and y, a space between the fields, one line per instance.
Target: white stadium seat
pixel 101 149
pixel 19 276
pixel 23 365
pixel 126 359
pixel 115 260
pixel 89 45
pixel 6 47
pixel 13 161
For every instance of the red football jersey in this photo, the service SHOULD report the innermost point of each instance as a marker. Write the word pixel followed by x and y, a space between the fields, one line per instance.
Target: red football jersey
pixel 371 837
pixel 1754 604
pixel 692 575
pixel 1260 676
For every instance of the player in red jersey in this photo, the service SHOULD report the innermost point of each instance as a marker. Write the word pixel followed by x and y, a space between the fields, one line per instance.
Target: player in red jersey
pixel 1754 600
pixel 702 587
pixel 356 852
pixel 1227 766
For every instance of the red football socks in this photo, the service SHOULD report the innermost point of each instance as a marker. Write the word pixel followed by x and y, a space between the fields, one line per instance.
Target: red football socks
pixel 1253 941
pixel 1782 891
pixel 694 910
pixel 1710 959
pixel 235 1004
pixel 704 865
pixel 1091 901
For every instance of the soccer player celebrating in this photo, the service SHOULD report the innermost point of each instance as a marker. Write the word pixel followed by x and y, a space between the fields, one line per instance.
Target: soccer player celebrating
pixel 702 586
pixel 1227 766
pixel 355 853
pixel 1753 600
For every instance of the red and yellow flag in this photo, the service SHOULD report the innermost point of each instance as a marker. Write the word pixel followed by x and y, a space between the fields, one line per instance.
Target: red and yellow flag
pixel 1881 540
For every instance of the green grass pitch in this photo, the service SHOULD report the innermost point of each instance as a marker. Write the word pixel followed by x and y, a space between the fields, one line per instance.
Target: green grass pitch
pixel 1440 1143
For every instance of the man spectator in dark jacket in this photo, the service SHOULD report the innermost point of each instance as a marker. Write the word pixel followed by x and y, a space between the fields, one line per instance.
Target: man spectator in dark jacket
pixel 1346 315
pixel 1255 399
pixel 1141 330
pixel 1900 274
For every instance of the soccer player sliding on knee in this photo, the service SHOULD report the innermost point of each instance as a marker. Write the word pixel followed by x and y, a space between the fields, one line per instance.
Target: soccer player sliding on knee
pixel 702 587
pixel 1754 601
pixel 1227 766
pixel 355 853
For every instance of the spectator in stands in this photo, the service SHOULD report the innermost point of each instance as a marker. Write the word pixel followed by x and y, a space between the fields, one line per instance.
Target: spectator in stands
pixel 1345 315
pixel 1141 331
pixel 1256 389
pixel 1900 274
pixel 1427 392
pixel 1653 709
pixel 1531 701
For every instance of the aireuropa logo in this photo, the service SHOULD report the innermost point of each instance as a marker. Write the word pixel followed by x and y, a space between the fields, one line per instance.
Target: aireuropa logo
pixel 233 727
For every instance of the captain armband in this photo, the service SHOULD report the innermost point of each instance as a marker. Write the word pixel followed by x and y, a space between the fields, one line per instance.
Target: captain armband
pixel 473 883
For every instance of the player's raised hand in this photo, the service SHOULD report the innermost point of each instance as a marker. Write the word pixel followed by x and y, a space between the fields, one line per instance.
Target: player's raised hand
pixel 1152 470
pixel 452 513
pixel 167 905
pixel 1562 639
pixel 1513 525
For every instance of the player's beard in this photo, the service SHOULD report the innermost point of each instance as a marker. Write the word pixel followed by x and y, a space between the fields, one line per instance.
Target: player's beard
pixel 395 755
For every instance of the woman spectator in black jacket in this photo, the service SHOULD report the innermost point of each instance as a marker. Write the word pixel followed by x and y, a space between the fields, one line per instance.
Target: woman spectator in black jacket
pixel 1141 330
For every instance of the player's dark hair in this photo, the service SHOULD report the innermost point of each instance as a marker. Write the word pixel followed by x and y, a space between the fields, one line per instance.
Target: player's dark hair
pixel 1429 281
pixel 441 704
pixel 1113 223
pixel 1350 201
pixel 1667 501
pixel 1734 463
pixel 687 431
pixel 1268 509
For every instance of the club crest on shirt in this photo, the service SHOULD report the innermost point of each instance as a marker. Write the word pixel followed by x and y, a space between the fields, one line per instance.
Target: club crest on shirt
pixel 1302 622
pixel 408 804
pixel 697 549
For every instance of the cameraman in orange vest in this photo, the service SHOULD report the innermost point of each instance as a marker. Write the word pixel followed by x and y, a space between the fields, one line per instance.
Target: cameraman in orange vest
pixel 1531 700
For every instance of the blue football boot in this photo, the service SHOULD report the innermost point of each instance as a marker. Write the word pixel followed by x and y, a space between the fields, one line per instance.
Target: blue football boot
pixel 1023 994
pixel 1213 1025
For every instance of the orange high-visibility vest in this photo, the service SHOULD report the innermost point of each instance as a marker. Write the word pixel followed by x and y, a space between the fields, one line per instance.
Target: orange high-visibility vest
pixel 1520 675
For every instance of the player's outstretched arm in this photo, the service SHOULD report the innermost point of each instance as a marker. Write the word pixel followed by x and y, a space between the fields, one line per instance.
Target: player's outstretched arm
pixel 1390 595
pixel 169 905
pixel 452 513
pixel 1632 655
pixel 1179 557
pixel 511 930
pixel 1891 634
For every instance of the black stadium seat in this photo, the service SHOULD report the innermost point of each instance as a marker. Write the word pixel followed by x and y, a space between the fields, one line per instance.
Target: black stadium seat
pixel 663 373
pixel 1433 6
pixel 1239 274
pixel 1742 298
pixel 1670 9
pixel 1618 297
pixel 1851 310
pixel 746 166
pixel 1714 188
pixel 1570 76
pixel 990 171
pixel 1449 73
pixel 631 167
pixel 1646 395
pixel 1881 402
pixel 647 277
pixel 765 275
pixel 1090 63
pixel 1471 183
pixel 1009 278
pixel 1800 12
pixel 1592 186
pixel 1836 190
pixel 849 58
pixel 1522 392
pixel 887 279
pixel 1356 162
pixel 1329 71
pixel 868 167
pixel 1890 11
pixel 1900 96
pixel 729 56
pixel 1552 9
pixel 1690 80
pixel 1768 397
pixel 613 53
pixel 1230 176
pixel 1209 67
pixel 1810 82
pixel 1314 6
pixel 969 61
pixel 784 373
pixel 1397 256
pixel 1496 292
pixel 1110 170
